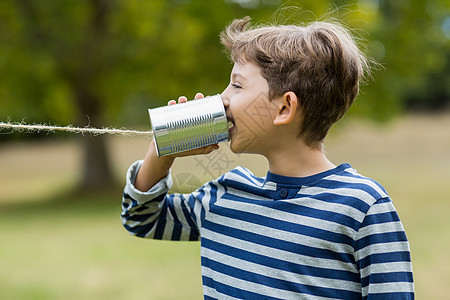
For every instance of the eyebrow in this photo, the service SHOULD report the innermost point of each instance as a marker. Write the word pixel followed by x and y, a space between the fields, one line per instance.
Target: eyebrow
pixel 238 76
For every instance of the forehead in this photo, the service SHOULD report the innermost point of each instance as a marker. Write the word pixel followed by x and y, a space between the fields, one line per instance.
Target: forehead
pixel 246 71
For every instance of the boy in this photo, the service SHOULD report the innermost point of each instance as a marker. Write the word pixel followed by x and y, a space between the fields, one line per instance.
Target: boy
pixel 309 229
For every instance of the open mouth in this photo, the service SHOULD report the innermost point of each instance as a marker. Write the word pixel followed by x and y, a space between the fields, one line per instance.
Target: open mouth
pixel 230 124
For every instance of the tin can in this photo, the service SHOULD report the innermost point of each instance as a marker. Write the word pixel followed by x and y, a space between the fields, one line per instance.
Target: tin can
pixel 185 126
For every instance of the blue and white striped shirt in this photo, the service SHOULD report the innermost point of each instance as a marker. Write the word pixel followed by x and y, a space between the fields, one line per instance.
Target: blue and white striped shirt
pixel 331 235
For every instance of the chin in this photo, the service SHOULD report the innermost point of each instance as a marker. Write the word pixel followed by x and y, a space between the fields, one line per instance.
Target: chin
pixel 241 149
pixel 235 148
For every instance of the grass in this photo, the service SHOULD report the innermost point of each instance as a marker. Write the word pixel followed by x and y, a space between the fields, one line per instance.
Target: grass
pixel 59 245
pixel 77 249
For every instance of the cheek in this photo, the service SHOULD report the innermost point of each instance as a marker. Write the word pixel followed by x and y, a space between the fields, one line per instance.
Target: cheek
pixel 239 111
pixel 257 114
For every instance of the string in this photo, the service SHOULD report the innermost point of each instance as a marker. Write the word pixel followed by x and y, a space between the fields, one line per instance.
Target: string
pixel 22 127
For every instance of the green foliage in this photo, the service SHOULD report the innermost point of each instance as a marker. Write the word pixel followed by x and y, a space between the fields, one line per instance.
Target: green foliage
pixel 410 40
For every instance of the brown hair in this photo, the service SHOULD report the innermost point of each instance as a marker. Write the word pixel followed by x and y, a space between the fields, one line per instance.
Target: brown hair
pixel 320 63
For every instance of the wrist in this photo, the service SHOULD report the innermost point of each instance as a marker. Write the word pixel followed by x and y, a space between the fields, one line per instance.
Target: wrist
pixel 153 169
pixel 152 154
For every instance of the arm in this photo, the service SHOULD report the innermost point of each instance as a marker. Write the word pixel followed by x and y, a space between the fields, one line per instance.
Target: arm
pixel 153 169
pixel 155 214
pixel 148 211
pixel 382 254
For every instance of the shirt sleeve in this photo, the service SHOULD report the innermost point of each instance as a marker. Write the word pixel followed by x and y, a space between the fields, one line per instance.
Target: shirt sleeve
pixel 382 254
pixel 155 214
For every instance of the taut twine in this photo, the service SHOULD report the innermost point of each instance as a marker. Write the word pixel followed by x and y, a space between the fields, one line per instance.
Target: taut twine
pixel 22 127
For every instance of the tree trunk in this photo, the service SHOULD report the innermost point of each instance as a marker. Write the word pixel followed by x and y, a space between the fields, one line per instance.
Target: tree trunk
pixel 97 172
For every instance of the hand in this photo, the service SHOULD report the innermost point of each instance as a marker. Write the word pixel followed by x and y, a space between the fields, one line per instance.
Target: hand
pixel 202 150
pixel 154 168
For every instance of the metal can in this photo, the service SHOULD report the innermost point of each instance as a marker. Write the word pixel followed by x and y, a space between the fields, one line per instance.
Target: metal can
pixel 185 126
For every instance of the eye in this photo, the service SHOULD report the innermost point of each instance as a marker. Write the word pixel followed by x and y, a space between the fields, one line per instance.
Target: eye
pixel 236 86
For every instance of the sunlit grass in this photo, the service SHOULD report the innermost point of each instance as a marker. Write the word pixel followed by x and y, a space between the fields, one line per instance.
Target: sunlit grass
pixel 79 250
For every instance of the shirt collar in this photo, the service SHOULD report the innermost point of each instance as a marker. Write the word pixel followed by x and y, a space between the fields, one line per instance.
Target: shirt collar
pixel 281 180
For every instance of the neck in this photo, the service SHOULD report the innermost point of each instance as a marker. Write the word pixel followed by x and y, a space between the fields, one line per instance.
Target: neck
pixel 299 160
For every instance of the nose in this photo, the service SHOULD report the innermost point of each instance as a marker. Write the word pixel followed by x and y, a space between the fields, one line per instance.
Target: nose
pixel 225 98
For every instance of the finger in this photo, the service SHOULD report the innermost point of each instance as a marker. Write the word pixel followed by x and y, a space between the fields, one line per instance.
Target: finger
pixel 198 151
pixel 182 99
pixel 171 102
pixel 210 148
pixel 199 96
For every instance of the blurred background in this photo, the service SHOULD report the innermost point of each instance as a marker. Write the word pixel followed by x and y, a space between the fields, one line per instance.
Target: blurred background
pixel 104 62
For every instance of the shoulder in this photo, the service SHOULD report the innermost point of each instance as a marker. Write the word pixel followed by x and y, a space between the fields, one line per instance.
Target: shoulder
pixel 348 179
pixel 242 175
pixel 348 189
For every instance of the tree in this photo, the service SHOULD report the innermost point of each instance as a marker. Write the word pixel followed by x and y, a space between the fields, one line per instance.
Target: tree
pixel 85 61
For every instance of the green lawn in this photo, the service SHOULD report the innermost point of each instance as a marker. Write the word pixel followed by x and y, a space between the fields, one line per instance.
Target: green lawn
pixel 56 245
pixel 79 250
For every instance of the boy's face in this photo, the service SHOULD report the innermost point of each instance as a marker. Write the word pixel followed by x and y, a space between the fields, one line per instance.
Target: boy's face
pixel 248 107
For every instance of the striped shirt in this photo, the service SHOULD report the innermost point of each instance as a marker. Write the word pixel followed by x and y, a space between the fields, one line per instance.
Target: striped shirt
pixel 331 235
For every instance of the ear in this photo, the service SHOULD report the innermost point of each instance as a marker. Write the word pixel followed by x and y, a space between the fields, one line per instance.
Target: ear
pixel 286 109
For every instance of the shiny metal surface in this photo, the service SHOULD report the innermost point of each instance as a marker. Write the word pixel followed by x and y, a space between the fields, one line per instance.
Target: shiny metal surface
pixel 185 126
